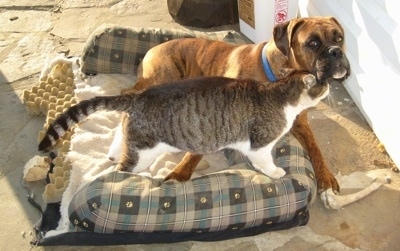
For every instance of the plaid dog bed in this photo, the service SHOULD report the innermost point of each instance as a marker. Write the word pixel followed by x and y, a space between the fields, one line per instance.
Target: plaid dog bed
pixel 115 49
pixel 229 204
pixel 232 199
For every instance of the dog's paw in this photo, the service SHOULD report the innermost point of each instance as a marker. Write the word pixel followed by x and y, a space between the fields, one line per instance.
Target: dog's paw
pixel 181 177
pixel 327 181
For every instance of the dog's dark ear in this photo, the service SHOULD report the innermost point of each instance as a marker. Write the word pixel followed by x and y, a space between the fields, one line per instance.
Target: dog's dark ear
pixel 283 34
pixel 337 22
pixel 281 37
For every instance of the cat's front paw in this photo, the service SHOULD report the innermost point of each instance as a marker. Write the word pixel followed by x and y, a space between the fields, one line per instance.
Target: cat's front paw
pixel 278 173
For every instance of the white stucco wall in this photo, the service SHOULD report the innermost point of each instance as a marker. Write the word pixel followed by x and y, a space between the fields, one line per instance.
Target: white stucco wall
pixel 373 47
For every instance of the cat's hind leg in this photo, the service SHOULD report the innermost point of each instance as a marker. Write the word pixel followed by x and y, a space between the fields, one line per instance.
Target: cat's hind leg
pixel 129 159
pixel 128 156
pixel 115 150
pixel 135 160
pixel 263 161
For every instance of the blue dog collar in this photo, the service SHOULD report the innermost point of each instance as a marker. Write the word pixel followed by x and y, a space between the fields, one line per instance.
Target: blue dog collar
pixel 267 68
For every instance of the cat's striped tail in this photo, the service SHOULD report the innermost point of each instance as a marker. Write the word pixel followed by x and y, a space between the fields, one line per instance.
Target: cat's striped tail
pixel 77 113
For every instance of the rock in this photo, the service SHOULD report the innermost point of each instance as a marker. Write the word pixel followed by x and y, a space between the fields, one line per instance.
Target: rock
pixel 204 13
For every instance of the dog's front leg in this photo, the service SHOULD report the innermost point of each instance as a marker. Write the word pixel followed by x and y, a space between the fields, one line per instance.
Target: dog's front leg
pixel 333 201
pixel 184 170
pixel 302 131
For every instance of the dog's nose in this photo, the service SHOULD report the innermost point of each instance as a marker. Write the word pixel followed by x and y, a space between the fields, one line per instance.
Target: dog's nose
pixel 335 52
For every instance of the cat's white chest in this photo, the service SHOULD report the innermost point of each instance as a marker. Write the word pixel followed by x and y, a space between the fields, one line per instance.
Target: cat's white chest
pixel 291 113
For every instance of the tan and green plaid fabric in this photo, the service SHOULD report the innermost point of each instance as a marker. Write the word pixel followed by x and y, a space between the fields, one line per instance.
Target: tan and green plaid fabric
pixel 232 199
pixel 237 198
pixel 114 49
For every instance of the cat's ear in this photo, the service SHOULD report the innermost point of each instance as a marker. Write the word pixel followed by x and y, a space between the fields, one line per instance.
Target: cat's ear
pixel 309 80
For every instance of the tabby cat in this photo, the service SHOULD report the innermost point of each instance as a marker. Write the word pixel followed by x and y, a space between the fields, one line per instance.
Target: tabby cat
pixel 202 115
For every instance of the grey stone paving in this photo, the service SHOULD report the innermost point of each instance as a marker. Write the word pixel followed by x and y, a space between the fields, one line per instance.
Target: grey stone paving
pixel 32 32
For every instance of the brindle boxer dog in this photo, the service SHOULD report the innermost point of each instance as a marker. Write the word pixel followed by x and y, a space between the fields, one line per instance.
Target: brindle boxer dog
pixel 312 44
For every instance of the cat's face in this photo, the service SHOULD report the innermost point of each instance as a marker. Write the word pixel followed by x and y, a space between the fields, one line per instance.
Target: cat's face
pixel 315 90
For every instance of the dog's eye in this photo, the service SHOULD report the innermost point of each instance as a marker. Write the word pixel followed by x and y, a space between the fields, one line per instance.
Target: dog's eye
pixel 313 44
pixel 339 39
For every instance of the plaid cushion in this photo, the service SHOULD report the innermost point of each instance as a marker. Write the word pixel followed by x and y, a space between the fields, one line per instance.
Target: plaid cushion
pixel 115 49
pixel 238 198
pixel 232 199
